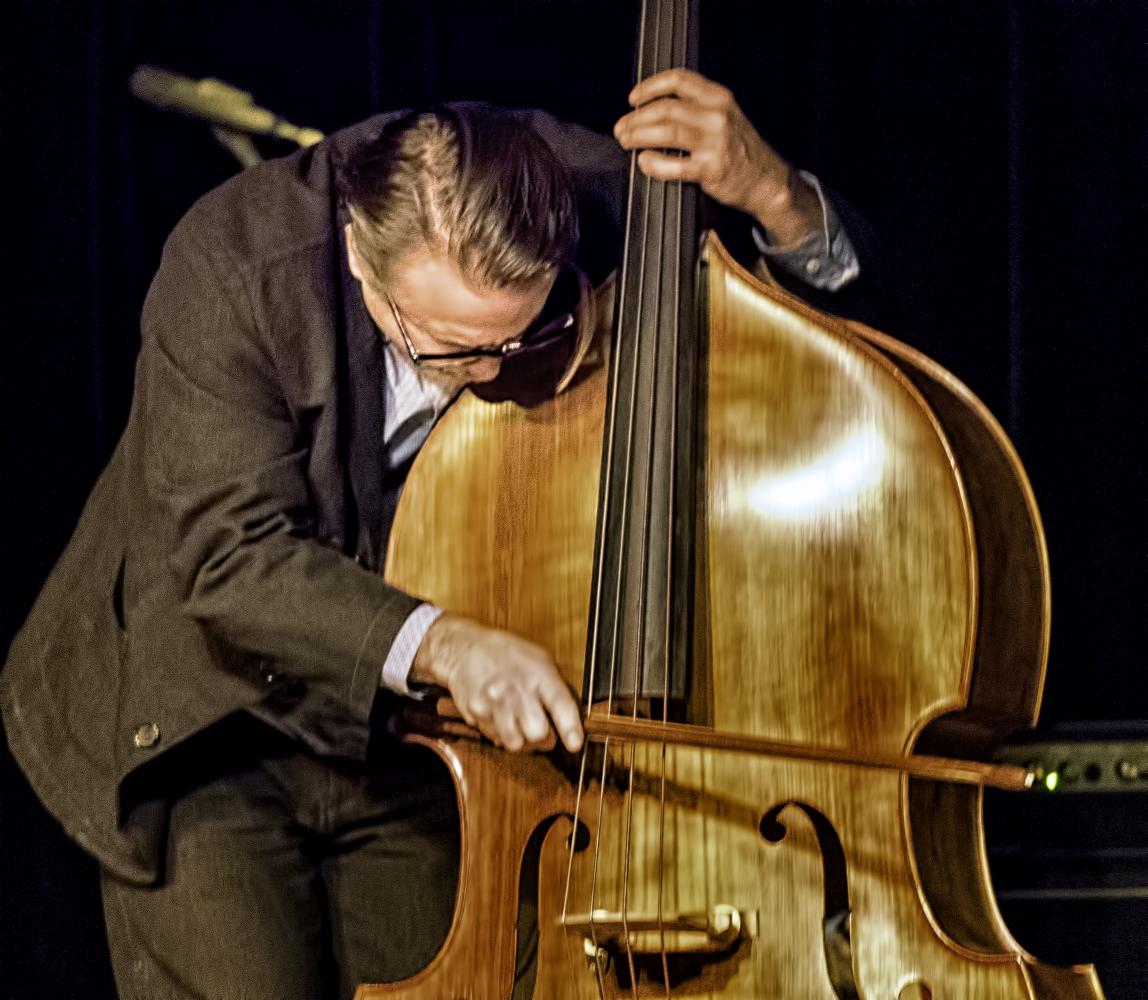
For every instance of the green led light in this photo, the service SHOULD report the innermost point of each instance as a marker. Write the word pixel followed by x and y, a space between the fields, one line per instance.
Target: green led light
pixel 1051 780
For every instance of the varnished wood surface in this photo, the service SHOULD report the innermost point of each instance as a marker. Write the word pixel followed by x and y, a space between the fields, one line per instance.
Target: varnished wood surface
pixel 842 593
pixel 1014 590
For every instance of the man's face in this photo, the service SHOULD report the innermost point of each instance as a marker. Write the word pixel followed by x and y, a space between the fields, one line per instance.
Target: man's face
pixel 442 311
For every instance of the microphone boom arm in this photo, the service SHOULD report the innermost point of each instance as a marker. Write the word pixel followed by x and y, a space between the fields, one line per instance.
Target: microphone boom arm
pixel 231 112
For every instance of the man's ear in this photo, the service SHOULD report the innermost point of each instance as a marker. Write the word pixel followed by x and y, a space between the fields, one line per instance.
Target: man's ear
pixel 352 257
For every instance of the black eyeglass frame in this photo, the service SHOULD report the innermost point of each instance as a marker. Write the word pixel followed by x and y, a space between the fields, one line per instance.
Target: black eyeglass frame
pixel 548 333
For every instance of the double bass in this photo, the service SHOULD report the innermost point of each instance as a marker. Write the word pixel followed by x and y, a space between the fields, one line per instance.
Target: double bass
pixel 798 575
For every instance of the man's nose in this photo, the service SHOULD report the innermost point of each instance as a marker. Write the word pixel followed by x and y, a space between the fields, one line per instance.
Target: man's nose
pixel 484 369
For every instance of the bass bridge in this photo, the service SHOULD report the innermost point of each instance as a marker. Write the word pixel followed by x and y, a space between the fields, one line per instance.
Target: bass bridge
pixel 667 949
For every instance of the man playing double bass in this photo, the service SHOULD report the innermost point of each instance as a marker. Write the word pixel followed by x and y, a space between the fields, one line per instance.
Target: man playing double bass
pixel 196 693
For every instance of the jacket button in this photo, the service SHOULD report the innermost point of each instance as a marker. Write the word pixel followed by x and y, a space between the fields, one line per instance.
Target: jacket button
pixel 265 668
pixel 146 736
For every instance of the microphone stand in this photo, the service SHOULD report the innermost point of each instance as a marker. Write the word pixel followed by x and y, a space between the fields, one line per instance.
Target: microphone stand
pixel 232 113
pixel 238 144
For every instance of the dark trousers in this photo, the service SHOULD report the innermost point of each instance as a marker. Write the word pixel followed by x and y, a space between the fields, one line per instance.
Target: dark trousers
pixel 288 875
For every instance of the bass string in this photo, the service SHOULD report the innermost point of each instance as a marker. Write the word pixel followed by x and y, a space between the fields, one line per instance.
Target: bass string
pixel 643 221
pixel 680 45
pixel 651 296
pixel 640 328
pixel 678 42
pixel 662 240
pixel 620 575
pixel 650 329
pixel 670 192
pixel 596 611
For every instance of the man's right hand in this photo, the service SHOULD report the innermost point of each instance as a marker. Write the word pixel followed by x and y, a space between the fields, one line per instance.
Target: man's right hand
pixel 506 687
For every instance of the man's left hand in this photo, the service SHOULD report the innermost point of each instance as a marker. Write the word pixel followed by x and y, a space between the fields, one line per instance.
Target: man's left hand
pixel 682 110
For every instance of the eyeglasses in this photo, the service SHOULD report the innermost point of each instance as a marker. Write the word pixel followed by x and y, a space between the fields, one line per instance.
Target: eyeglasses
pixel 552 324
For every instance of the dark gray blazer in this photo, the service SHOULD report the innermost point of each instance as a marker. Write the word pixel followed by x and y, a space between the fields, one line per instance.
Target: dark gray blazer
pixel 231 548
pixel 229 555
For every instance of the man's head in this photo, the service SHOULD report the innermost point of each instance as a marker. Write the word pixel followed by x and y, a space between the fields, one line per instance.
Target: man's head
pixel 460 221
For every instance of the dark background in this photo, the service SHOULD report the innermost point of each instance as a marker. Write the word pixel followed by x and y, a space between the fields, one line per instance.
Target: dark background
pixel 997 146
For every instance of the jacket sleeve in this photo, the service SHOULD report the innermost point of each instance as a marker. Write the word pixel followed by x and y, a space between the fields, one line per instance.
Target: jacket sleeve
pixel 600 170
pixel 225 463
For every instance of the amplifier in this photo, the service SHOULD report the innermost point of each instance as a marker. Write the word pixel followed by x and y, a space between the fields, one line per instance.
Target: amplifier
pixel 1065 768
pixel 1069 858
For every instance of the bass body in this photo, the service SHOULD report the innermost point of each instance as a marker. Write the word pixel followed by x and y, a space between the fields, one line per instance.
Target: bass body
pixel 869 575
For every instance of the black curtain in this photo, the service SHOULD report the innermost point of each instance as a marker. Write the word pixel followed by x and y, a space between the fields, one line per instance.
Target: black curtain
pixel 997 146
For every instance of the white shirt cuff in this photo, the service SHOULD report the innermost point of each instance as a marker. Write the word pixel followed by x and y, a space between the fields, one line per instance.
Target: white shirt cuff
pixel 824 259
pixel 400 659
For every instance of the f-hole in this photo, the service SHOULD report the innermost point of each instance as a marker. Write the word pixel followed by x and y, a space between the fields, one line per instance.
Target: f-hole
pixel 837 914
pixel 526 947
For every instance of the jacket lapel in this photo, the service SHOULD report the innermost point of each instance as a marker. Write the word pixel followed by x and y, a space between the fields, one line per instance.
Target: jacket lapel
pixel 363 380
